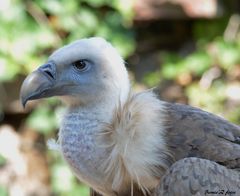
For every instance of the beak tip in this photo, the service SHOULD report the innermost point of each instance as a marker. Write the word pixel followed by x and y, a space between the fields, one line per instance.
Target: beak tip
pixel 36 84
pixel 23 102
pixel 32 87
pixel 24 105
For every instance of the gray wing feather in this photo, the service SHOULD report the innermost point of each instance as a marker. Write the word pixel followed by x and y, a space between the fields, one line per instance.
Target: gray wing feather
pixel 192 132
pixel 195 176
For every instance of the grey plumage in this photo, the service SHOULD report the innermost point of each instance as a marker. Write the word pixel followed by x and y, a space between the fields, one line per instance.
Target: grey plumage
pixel 122 143
pixel 195 176
pixel 196 133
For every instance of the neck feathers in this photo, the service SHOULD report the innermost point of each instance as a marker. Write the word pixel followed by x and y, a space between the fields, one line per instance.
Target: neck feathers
pixel 136 141
pixel 130 136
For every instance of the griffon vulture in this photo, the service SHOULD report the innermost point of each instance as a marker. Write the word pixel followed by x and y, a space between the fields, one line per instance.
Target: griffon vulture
pixel 124 143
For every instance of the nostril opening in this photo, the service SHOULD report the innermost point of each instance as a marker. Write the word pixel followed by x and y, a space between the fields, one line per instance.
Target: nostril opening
pixel 48 69
pixel 49 73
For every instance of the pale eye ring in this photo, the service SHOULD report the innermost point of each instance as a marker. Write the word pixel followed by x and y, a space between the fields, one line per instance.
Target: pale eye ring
pixel 80 65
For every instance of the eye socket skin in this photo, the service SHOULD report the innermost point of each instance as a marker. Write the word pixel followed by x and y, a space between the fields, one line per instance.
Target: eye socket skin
pixel 80 65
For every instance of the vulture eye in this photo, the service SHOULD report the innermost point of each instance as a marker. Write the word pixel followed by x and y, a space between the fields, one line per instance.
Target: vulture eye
pixel 80 65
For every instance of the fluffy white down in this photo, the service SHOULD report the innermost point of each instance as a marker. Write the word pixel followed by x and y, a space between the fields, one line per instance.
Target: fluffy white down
pixel 135 137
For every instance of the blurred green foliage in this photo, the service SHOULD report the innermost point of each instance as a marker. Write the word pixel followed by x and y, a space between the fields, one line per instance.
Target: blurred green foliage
pixel 2 160
pixel 43 114
pixel 61 175
pixel 225 55
pixel 216 60
pixel 3 191
pixel 30 30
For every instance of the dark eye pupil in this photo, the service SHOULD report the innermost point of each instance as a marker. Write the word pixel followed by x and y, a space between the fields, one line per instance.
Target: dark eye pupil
pixel 80 64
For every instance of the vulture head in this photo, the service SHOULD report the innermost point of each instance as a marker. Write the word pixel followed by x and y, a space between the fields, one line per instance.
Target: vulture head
pixel 81 73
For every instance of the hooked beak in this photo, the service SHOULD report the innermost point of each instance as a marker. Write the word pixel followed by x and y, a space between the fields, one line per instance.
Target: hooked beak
pixel 39 83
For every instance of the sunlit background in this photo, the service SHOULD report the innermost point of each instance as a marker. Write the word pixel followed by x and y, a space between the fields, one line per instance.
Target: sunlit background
pixel 189 49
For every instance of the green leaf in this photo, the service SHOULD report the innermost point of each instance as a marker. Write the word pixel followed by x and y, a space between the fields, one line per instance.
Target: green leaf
pixel 211 99
pixel 61 175
pixel 198 62
pixel 2 161
pixel 43 120
pixel 3 191
pixel 152 79
pixel 227 54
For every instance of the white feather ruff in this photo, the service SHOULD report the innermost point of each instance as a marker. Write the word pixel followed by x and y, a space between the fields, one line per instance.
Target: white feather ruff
pixel 135 138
